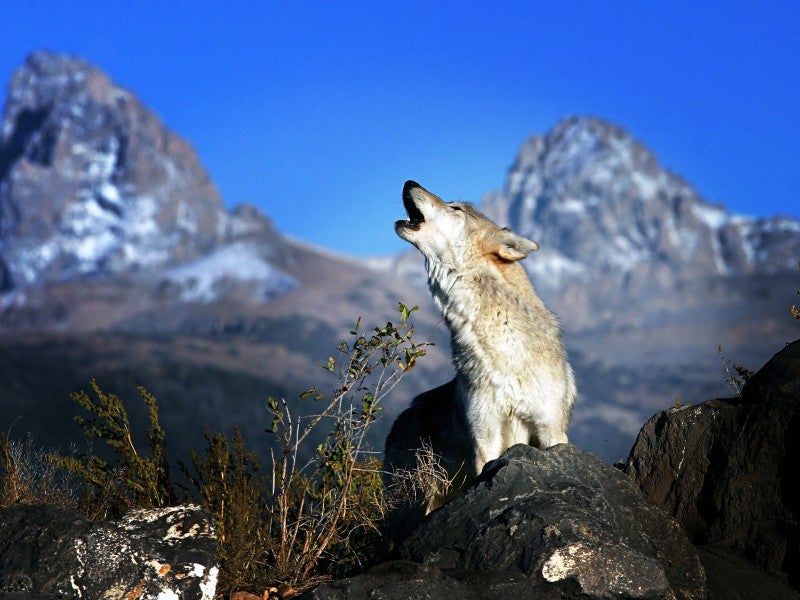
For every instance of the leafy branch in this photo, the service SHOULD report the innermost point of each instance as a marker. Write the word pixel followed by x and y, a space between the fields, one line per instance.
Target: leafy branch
pixel 335 498
pixel 137 479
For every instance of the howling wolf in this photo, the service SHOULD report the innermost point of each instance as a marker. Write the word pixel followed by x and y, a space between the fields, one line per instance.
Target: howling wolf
pixel 513 383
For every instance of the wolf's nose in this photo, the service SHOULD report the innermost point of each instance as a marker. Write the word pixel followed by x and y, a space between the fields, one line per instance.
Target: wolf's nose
pixel 409 185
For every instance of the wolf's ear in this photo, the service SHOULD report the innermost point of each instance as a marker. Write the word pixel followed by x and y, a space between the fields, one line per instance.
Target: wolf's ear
pixel 511 246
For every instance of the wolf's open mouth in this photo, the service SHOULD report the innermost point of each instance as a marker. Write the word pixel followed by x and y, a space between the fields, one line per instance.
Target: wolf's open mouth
pixel 415 216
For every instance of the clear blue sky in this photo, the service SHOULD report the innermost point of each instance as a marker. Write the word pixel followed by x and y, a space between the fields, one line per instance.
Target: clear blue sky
pixel 319 111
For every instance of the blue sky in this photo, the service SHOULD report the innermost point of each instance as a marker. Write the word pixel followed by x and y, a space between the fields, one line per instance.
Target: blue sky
pixel 317 112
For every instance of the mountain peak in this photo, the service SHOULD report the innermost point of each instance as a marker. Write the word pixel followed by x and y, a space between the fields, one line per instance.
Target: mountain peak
pixel 598 201
pixel 93 182
pixel 585 149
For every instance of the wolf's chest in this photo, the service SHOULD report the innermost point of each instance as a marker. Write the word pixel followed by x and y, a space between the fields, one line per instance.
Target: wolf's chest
pixel 497 337
pixel 495 358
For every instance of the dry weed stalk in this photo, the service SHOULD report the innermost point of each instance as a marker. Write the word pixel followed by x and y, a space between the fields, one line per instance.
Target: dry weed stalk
pixel 736 375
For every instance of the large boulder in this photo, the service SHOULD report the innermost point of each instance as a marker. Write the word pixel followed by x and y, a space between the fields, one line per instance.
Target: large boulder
pixel 725 469
pixel 47 551
pixel 556 523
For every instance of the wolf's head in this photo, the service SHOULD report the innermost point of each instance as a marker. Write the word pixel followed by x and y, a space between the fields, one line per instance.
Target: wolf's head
pixel 455 234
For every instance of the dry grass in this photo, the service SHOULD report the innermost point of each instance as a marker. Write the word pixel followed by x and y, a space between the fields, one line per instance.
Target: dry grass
pixel 27 476
pixel 316 511
pixel 426 484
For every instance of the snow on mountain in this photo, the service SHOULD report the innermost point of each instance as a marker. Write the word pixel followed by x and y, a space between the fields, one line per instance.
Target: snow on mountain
pixel 598 202
pixel 205 279
pixel 92 183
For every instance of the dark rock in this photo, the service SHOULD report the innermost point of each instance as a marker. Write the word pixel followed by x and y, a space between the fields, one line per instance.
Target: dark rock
pixel 726 470
pixel 25 596
pixel 568 522
pixel 406 580
pixel 397 580
pixel 162 553
pixel 730 577
pixel 431 416
pixel 779 379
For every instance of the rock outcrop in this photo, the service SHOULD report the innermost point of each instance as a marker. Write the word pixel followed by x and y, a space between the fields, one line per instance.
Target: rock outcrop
pixel 552 523
pixel 726 470
pixel 52 552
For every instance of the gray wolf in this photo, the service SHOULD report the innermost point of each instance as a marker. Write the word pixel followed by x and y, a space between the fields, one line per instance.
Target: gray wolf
pixel 513 383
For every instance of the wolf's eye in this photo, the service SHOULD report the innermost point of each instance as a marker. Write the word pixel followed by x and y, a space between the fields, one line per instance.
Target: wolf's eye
pixel 456 207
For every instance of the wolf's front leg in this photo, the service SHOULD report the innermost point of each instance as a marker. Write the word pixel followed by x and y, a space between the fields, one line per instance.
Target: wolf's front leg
pixel 488 446
pixel 548 434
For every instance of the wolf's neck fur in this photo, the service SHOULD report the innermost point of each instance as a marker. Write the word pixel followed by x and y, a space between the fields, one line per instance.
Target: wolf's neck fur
pixel 496 319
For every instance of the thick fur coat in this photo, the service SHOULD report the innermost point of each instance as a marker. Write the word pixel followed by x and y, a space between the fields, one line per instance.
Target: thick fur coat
pixel 513 382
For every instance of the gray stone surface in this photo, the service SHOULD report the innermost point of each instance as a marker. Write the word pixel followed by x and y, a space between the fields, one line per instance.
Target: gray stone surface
pixel 165 553
pixel 565 520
